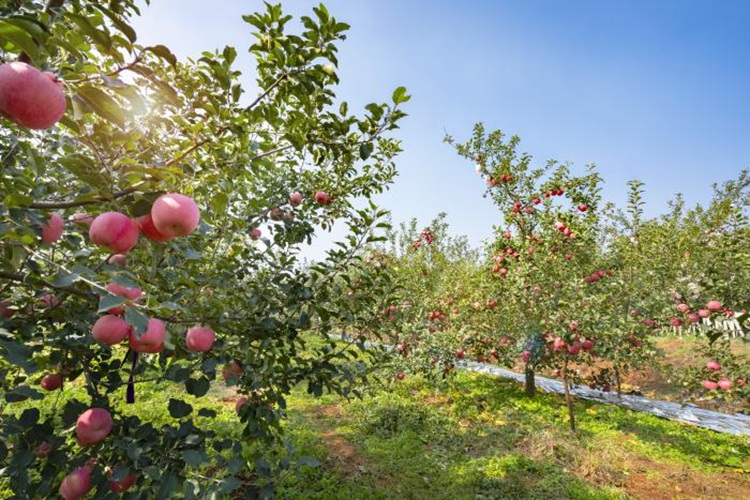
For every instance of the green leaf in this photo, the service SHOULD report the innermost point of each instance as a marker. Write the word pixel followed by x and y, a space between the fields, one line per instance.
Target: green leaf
pixel 197 387
pixel 17 37
pixel 22 393
pixel 230 484
pixel 163 52
pixel 399 95
pixel 365 150
pixel 86 170
pixel 102 104
pixel 194 458
pixel 137 320
pixel 100 37
pixel 178 408
pixel 18 354
pixel 117 20
pixel 219 203
pixel 108 301
pixel 207 412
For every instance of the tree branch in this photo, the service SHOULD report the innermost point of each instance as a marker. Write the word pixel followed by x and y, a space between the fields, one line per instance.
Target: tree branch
pixel 47 205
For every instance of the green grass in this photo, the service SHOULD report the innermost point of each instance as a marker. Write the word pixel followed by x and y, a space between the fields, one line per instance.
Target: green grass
pixel 481 438
pixel 476 437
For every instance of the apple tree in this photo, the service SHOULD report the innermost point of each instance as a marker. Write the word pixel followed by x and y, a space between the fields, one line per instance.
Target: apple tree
pixel 153 219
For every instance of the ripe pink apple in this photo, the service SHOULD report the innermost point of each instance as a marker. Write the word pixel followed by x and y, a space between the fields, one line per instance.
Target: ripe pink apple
pixel 118 259
pixel 30 98
pixel 114 230
pixel 710 385
pixel 50 300
pixel 683 308
pixel 694 318
pixel 152 340
pixel 111 329
pixel 123 484
pixel 676 322
pixel 175 215
pixel 81 219
pixel 558 344
pixel 42 450
pixel 574 348
pixel 582 207
pixel 491 303
pixel 460 353
pixel 741 382
pixel 725 384
pixel 276 214
pixel 241 401
pixel 526 356
pixel 200 338
pixel 400 375
pixel 76 484
pixel 132 294
pixel 53 229
pixel 573 325
pixel 51 381
pixel 587 345
pixel 146 225
pixel 321 198
pixel 713 305
pixel 713 366
pixel 704 313
pixel 295 199
pixel 232 369
pixel 93 426
pixel 255 233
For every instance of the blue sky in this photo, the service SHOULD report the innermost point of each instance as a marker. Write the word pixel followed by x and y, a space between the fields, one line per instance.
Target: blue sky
pixel 652 90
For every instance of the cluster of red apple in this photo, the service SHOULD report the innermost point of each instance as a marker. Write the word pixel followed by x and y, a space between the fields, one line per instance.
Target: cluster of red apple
pixel 712 306
pixel 295 199
pixel 724 383
pixel 389 313
pixel 436 315
pixel 565 230
pixel 596 276
pixel 425 235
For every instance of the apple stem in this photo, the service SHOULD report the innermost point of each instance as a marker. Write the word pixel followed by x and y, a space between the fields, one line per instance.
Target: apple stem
pixel 130 393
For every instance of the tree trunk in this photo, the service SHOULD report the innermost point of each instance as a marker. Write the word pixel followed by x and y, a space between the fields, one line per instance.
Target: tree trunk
pixel 530 385
pixel 568 397
pixel 617 381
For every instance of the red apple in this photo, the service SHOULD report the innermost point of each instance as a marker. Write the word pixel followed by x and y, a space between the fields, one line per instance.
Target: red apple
pixel 110 330
pixel 741 382
pixel 123 484
pixel 5 312
pixel 152 340
pixel 51 381
pixel 200 338
pixel 81 219
pixel 400 375
pixel 50 300
pixel 146 224
pixel 76 484
pixel 295 199
pixel 53 229
pixel 526 356
pixel 232 369
pixel 704 313
pixel 93 426
pixel 30 98
pixel 574 348
pixel 710 385
pixel 694 318
pixel 683 308
pixel 573 325
pixel 255 233
pixel 132 294
pixel 725 384
pixel 322 198
pixel 42 450
pixel 558 344
pixel 114 230
pixel 118 259
pixel 582 207
pixel 175 215
pixel 713 366
pixel 713 305
pixel 460 353
pixel 587 345
pixel 241 401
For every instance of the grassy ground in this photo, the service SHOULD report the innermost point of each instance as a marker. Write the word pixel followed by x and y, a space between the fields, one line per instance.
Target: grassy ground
pixel 477 437
pixel 480 438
